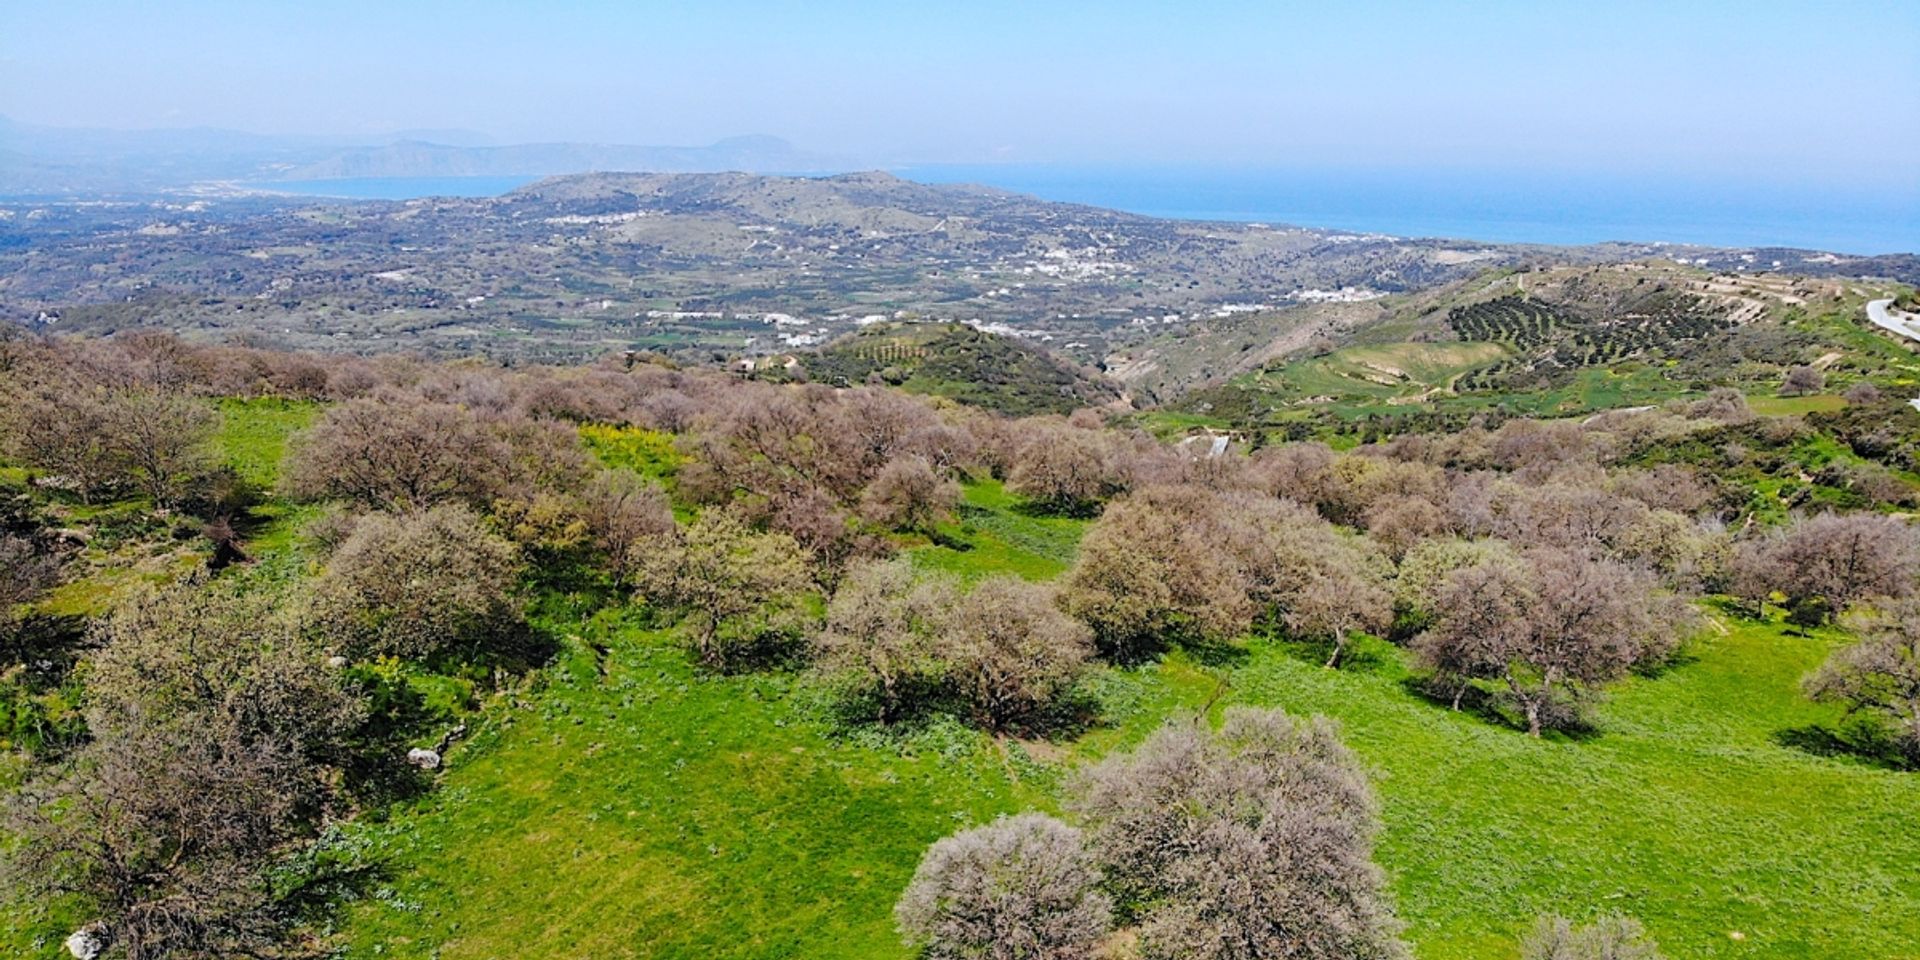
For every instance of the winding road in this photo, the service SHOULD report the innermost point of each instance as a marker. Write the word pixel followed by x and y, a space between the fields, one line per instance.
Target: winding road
pixel 1878 311
pixel 1882 317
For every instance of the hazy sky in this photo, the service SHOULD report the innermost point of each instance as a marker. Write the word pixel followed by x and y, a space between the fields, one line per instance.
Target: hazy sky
pixel 1806 91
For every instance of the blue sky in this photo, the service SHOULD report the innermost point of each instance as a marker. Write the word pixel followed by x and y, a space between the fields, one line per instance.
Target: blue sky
pixel 1799 92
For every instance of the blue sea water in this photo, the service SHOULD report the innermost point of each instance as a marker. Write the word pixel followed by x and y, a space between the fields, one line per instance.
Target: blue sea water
pixel 1501 207
pixel 397 188
pixel 1496 207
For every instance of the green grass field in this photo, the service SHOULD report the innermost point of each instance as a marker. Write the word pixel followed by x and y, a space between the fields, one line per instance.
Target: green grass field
pixel 657 812
pixel 625 804
pixel 1396 370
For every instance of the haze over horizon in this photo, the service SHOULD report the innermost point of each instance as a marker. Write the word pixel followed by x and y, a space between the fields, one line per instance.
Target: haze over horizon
pixel 1629 89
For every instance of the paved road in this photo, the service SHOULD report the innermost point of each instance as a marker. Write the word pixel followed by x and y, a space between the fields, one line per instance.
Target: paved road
pixel 1884 319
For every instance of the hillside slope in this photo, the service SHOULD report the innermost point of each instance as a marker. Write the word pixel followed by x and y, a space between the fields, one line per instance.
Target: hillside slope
pixel 716 265
pixel 971 366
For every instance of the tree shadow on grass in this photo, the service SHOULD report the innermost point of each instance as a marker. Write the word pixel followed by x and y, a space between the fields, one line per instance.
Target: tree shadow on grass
pixel 1564 720
pixel 312 886
pixel 1857 741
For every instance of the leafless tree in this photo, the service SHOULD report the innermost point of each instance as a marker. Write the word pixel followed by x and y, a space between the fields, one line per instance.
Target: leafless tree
pixel 1253 842
pixel 214 734
pixel 387 454
pixel 1066 469
pixel 1831 559
pixel 623 512
pixel 1010 651
pixel 1878 676
pixel 1562 625
pixel 1020 888
pixel 1151 572
pixel 1802 380
pixel 881 635
pixel 418 586
pixel 908 495
pixel 736 585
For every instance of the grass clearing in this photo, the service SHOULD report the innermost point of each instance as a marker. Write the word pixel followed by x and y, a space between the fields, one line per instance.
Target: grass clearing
pixel 994 533
pixel 253 434
pixel 657 812
pixel 1776 406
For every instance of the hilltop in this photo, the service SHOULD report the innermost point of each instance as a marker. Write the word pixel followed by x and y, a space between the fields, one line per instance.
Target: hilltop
pixel 971 366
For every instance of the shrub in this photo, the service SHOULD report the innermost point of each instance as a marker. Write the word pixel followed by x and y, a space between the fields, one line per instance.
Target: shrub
pixel 1010 652
pixel 420 586
pixel 1249 843
pixel 1020 888
pixel 738 587
pixel 1878 676
pixel 1609 938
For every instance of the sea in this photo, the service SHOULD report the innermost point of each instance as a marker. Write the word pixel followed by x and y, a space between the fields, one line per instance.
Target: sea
pixel 1502 207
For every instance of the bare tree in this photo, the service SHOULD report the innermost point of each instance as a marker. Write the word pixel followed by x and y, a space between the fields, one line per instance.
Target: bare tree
pixel 881 633
pixel 1878 676
pixel 418 586
pixel 161 438
pixel 215 734
pixel 1066 469
pixel 736 585
pixel 1802 380
pixel 397 454
pixel 623 512
pixel 1609 938
pixel 1020 888
pixel 1250 843
pixel 1480 612
pixel 1553 632
pixel 1011 652
pixel 26 570
pixel 1832 560
pixel 909 495
pixel 1151 572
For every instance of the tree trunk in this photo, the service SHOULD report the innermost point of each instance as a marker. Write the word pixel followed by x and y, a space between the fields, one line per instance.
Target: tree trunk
pixel 1533 718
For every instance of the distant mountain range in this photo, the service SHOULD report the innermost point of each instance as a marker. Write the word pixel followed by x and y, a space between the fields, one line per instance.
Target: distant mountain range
pixel 64 161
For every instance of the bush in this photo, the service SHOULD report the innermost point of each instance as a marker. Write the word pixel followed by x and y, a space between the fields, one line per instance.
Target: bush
pixel 1609 938
pixel 1249 843
pixel 879 643
pixel 421 587
pixel 1020 888
pixel 1010 652
pixel 739 588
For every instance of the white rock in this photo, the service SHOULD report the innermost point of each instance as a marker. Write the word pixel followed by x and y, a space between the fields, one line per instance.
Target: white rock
pixel 424 759
pixel 336 662
pixel 87 942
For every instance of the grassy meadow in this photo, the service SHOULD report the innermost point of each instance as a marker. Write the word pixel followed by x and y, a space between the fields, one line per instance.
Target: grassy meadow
pixel 621 803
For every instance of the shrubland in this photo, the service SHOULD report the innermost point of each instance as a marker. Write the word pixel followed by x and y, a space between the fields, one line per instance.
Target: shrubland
pixel 246 667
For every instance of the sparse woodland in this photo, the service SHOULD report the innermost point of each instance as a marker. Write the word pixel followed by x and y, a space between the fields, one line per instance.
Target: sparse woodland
pixel 256 604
